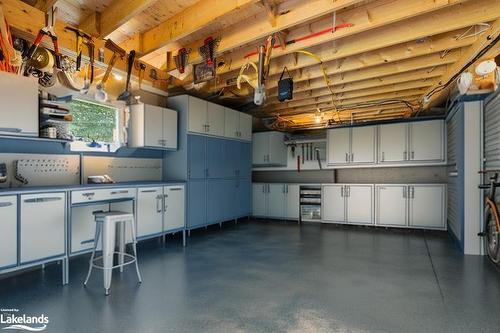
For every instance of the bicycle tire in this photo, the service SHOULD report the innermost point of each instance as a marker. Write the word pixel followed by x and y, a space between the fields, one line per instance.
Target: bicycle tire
pixel 491 239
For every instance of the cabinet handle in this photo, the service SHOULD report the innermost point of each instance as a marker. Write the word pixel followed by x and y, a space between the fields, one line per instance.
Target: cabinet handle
pixel 36 200
pixel 159 199
pixel 352 157
pixel 346 157
pixel 405 155
pixel 286 188
pixel 119 192
pixel 88 194
pixel 412 155
pixel 383 157
pixel 10 129
pixel 412 192
pixel 5 204
pixel 404 191
pixel 342 191
pixel 263 188
pixel 148 191
pixel 175 189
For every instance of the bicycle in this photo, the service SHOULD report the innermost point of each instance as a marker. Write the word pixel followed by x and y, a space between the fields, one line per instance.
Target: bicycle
pixel 491 231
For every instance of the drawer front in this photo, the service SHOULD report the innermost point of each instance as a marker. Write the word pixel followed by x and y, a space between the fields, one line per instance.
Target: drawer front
pixel 8 231
pixel 101 194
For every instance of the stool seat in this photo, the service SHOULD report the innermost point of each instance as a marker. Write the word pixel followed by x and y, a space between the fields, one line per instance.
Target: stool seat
pixel 107 224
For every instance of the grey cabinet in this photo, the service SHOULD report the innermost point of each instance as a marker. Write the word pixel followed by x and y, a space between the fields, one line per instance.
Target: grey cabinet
pixel 174 207
pixel 42 229
pixel 351 146
pixel 8 231
pixel 277 201
pixel 347 203
pixel 269 149
pixel 149 214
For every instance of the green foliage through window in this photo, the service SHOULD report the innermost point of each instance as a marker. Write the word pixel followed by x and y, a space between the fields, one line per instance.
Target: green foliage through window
pixel 93 121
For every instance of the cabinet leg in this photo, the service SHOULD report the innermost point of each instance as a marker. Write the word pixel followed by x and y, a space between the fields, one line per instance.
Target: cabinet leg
pixel 235 221
pixel 184 238
pixel 220 225
pixel 189 233
pixel 65 271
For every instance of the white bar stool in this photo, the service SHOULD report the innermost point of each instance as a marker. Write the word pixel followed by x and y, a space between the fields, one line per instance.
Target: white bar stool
pixel 106 224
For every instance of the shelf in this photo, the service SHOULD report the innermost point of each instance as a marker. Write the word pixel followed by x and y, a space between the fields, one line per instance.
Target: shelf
pixel 33 138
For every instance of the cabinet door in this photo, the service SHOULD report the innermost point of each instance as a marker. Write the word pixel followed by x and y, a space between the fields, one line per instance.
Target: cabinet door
pixel 217 204
pixel 232 156
pixel 359 204
pixel 259 200
pixel 170 128
pixel 149 213
pixel 427 206
pixel 427 141
pixel 175 207
pixel 333 203
pixel 245 126
pixel 338 146
pixel 232 123
pixel 215 116
pixel 245 160
pixel 276 200
pixel 197 115
pixel 42 226
pixel 292 201
pixel 391 206
pixel 153 126
pixel 244 197
pixel 8 231
pixel 216 158
pixel 277 149
pixel 196 157
pixel 363 143
pixel 392 143
pixel 260 148
pixel 197 203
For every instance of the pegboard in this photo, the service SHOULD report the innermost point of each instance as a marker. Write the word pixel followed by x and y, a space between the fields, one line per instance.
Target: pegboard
pixel 41 170
pixel 123 169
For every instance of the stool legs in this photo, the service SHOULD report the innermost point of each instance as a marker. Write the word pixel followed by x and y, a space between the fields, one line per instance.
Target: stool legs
pixel 96 243
pixel 121 243
pixel 134 247
pixel 108 250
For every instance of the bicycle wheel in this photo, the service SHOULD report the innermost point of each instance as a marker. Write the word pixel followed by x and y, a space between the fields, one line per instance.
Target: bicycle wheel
pixel 491 236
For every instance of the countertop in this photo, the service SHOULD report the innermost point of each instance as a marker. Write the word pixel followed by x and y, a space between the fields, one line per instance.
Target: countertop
pixel 42 189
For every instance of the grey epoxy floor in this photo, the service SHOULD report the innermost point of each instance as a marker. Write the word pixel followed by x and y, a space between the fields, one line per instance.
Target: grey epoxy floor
pixel 275 277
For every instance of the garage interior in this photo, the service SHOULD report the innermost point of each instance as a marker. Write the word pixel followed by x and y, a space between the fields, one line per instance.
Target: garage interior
pixel 249 165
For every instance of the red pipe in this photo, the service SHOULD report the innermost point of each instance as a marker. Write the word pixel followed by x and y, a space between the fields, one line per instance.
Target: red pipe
pixel 306 37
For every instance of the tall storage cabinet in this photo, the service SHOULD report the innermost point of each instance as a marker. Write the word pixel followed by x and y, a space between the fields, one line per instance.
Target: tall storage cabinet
pixel 8 231
pixel 217 168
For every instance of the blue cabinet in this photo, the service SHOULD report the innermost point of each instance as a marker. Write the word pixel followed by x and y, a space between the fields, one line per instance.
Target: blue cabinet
pixel 197 152
pixel 245 160
pixel 216 156
pixel 197 203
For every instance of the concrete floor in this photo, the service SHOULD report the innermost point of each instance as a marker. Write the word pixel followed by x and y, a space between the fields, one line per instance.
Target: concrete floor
pixel 275 277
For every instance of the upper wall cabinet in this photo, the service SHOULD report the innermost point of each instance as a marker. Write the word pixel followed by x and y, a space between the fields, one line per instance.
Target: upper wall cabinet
pixel 212 119
pixel 351 145
pixel 152 127
pixel 238 125
pixel 269 149
pixel 19 113
pixel 412 143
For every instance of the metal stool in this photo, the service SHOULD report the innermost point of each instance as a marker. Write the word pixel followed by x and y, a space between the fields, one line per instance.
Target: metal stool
pixel 106 223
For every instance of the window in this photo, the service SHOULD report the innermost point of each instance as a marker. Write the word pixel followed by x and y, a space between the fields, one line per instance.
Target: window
pixel 94 126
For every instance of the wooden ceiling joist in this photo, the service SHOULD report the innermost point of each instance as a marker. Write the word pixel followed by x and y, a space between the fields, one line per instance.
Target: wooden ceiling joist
pixel 44 5
pixel 118 13
pixel 27 20
pixel 483 41
pixel 309 86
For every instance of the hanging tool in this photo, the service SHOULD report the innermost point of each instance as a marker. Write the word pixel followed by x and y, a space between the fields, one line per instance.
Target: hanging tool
pixel 126 95
pixel 298 163
pixel 48 31
pixel 142 69
pixel 303 153
pixel 100 93
pixel 83 38
pixel 318 158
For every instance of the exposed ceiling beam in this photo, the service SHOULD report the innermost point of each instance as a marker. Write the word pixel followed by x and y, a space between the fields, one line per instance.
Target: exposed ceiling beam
pixel 119 12
pixel 483 41
pixel 309 68
pixel 190 20
pixel 271 12
pixel 291 13
pixel 441 21
pixel 27 20
pixel 319 84
pixel 44 5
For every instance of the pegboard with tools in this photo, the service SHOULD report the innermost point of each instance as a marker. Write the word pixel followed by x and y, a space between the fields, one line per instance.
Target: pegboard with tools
pixel 41 170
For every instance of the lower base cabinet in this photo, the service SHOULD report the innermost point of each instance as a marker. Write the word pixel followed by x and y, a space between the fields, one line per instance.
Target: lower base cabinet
pixel 174 209
pixel 42 229
pixel 8 231
pixel 414 206
pixel 351 203
pixel 276 201
pixel 149 214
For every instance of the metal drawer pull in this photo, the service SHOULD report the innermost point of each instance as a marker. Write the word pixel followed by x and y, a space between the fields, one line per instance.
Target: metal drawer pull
pixel 36 200
pixel 10 129
pixel 149 191
pixel 175 189
pixel 5 204
pixel 119 192
pixel 88 194
pixel 88 241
